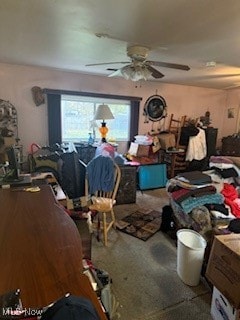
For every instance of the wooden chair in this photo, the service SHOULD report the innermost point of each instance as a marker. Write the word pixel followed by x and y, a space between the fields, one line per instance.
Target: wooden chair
pixel 178 161
pixel 103 198
pixel 175 126
pixel 177 155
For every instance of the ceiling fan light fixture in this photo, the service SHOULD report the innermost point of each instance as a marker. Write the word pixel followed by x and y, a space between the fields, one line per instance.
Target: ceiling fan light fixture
pixel 135 73
pixel 211 64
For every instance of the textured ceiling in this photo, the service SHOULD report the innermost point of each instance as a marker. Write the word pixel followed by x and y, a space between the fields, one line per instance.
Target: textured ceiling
pixel 62 34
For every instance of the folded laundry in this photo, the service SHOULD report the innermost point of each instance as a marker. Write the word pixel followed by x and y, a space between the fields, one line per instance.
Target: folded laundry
pixel 195 177
pixel 190 203
pixel 226 173
pixel 182 194
pixel 231 198
pixel 218 207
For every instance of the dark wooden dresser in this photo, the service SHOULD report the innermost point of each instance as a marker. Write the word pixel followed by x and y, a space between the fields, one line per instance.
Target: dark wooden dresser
pixel 128 185
pixel 211 140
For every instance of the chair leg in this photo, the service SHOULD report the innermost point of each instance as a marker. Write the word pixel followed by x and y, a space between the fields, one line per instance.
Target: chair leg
pixel 173 163
pixel 98 226
pixel 113 219
pixel 104 228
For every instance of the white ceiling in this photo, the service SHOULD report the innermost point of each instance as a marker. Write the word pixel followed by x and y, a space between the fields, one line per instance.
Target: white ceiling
pixel 62 34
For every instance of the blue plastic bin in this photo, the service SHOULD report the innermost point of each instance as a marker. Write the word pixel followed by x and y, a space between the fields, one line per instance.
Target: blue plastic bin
pixel 152 176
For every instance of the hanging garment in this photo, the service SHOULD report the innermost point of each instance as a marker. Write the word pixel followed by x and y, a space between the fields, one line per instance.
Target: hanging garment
pixel 197 147
pixel 100 171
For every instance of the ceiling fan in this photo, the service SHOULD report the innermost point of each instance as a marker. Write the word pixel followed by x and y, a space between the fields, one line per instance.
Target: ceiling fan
pixel 139 68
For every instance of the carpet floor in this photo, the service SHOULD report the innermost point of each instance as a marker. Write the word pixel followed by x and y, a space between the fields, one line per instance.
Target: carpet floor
pixel 145 280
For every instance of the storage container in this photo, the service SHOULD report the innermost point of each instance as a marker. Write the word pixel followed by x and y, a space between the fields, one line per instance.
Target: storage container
pixel 152 176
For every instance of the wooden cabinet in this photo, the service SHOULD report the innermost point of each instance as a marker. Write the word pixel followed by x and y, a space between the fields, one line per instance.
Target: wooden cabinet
pixel 211 140
pixel 128 185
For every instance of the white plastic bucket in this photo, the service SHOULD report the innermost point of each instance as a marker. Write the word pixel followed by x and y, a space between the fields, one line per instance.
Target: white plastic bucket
pixel 190 253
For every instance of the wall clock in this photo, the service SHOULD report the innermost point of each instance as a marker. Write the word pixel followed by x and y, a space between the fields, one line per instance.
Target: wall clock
pixel 155 108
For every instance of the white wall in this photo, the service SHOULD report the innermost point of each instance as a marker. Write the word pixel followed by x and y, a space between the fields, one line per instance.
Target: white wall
pixel 16 83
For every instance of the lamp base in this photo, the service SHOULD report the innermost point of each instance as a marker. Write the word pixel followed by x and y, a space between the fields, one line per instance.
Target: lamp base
pixel 103 130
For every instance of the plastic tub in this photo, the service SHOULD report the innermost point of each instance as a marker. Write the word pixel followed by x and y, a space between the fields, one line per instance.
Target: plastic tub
pixel 190 253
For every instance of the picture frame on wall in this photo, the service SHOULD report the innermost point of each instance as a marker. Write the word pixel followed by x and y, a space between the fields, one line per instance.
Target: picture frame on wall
pixel 231 112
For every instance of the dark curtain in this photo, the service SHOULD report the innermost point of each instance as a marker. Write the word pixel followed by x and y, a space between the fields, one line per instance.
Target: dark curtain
pixel 54 118
pixel 134 119
pixel 54 112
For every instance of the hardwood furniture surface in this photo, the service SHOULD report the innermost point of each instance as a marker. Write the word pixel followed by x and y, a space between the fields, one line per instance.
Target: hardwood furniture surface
pixel 41 252
pixel 51 180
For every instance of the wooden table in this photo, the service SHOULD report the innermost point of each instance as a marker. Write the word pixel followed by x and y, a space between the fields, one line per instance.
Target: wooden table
pixel 41 252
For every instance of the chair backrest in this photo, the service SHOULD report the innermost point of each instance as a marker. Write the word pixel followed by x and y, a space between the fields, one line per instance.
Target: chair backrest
pixel 178 160
pixel 175 126
pixel 102 177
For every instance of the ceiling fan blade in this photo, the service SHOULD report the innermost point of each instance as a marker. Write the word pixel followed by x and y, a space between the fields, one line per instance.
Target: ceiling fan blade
pixel 104 63
pixel 155 73
pixel 234 86
pixel 116 73
pixel 169 65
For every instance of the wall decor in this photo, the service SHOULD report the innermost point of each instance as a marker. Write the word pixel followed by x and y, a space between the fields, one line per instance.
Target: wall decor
pixel 38 96
pixel 155 108
pixel 231 113
pixel 8 120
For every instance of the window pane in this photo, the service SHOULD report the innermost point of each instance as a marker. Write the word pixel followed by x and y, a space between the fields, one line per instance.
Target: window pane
pixel 119 127
pixel 77 114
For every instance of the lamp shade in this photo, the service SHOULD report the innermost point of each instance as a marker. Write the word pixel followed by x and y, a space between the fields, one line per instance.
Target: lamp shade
pixel 103 113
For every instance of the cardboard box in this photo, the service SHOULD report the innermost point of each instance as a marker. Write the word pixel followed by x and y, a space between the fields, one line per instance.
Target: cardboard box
pixel 223 269
pixel 9 141
pixel 221 309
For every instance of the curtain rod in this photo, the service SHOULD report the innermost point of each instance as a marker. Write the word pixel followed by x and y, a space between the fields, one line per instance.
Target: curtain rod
pixel 90 94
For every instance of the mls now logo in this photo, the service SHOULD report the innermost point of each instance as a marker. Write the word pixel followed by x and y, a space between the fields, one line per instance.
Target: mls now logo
pixel 26 312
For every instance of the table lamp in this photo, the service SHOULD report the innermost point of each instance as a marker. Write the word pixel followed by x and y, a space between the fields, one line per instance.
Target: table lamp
pixel 103 113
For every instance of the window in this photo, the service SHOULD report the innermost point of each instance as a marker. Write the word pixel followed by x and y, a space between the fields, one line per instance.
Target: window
pixel 128 127
pixel 77 114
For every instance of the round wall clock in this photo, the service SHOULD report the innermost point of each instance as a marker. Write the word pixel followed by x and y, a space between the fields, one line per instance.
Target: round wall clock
pixel 155 108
